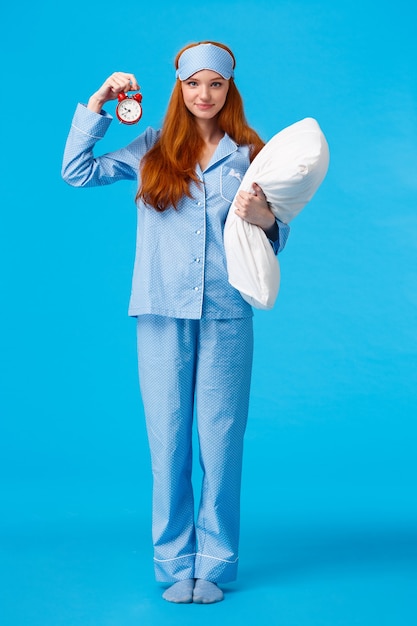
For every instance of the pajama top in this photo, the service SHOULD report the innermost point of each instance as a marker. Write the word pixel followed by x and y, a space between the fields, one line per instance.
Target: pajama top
pixel 180 265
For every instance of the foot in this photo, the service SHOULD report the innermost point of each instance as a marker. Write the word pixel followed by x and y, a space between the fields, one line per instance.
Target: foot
pixel 206 592
pixel 180 592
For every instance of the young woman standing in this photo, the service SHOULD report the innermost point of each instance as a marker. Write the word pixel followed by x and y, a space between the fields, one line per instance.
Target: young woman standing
pixel 194 330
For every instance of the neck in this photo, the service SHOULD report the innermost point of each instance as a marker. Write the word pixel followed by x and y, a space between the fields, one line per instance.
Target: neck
pixel 209 131
pixel 211 135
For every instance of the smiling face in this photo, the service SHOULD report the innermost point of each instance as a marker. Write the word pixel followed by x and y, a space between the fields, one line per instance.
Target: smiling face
pixel 205 93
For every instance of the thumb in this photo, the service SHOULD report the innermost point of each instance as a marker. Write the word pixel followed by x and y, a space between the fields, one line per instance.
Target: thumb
pixel 257 190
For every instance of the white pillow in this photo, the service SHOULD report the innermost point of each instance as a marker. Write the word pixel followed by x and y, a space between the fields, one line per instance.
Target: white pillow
pixel 289 169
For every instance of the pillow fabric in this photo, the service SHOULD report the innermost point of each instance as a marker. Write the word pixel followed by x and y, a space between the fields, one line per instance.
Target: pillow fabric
pixel 289 169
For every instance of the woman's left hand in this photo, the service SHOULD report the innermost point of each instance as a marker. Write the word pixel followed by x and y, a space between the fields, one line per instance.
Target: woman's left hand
pixel 253 208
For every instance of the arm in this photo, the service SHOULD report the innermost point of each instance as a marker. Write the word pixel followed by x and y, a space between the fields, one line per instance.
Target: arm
pixel 80 168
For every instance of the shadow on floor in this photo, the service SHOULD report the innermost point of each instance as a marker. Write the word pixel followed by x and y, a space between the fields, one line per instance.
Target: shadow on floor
pixel 277 553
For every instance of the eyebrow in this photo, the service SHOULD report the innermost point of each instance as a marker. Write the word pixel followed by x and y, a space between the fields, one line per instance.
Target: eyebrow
pixel 212 80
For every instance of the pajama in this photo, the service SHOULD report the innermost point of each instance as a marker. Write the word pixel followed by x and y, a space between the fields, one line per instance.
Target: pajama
pixel 207 363
pixel 194 348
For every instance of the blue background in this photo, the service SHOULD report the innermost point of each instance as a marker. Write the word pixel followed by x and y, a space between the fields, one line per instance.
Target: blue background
pixel 329 509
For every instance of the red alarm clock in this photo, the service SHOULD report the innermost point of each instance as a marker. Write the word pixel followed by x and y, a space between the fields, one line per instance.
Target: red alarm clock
pixel 129 108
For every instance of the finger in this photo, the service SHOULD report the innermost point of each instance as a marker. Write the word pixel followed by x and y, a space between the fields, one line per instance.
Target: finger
pixel 245 196
pixel 121 81
pixel 129 81
pixel 115 85
pixel 133 82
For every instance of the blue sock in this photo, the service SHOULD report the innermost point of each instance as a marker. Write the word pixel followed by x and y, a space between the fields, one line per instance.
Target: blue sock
pixel 180 592
pixel 206 592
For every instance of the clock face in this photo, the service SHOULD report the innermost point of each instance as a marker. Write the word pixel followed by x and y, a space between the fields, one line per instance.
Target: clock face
pixel 129 111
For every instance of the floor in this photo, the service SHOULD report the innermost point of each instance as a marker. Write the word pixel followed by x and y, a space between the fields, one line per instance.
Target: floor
pixel 77 564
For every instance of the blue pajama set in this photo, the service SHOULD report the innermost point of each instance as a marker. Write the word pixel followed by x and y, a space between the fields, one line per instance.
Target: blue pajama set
pixel 195 345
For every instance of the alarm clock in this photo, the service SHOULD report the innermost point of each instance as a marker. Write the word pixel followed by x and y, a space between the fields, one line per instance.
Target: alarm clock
pixel 129 108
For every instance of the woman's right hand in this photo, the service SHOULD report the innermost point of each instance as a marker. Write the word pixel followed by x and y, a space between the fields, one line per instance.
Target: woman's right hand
pixel 110 89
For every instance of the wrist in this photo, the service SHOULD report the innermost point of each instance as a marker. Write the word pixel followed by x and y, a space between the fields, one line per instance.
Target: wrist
pixel 95 103
pixel 272 231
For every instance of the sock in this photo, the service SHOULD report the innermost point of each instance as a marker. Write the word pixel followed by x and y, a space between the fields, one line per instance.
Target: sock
pixel 206 592
pixel 180 592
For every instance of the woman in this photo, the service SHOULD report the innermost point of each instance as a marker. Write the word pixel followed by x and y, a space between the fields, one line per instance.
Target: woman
pixel 194 330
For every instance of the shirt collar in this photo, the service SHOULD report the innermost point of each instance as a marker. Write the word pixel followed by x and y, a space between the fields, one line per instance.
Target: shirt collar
pixel 225 147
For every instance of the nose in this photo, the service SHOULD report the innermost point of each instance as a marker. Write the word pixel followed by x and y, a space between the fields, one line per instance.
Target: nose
pixel 204 93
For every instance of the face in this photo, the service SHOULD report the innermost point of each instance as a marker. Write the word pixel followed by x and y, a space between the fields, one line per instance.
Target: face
pixel 205 93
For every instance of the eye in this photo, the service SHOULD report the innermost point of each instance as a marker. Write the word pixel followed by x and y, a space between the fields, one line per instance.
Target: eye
pixel 191 83
pixel 216 84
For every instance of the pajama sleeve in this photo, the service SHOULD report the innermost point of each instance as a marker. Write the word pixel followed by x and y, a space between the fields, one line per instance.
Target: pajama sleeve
pixel 283 232
pixel 80 167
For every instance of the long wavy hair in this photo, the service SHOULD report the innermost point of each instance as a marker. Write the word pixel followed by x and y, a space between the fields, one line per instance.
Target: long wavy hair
pixel 168 168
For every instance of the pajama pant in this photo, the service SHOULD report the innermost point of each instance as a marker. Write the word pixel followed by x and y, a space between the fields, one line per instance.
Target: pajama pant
pixel 202 368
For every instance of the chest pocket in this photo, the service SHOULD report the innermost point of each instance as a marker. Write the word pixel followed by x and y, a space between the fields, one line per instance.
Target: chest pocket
pixel 230 179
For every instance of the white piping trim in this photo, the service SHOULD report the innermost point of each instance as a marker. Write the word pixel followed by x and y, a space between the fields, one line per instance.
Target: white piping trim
pixel 207 556
pixel 184 556
pixel 84 133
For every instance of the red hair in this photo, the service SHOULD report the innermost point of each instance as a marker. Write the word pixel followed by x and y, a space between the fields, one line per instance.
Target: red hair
pixel 168 168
